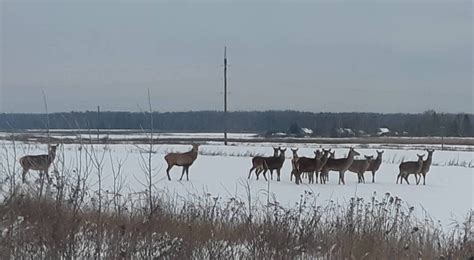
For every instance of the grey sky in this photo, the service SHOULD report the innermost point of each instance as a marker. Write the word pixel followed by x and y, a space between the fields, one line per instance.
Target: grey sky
pixel 333 56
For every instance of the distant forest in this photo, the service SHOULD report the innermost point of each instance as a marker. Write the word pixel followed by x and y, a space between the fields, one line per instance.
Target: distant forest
pixel 429 123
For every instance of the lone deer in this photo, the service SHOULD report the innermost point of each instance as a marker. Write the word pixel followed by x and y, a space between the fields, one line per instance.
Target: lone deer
pixel 375 164
pixel 360 166
pixel 407 168
pixel 339 165
pixel 182 159
pixel 275 163
pixel 39 163
pixel 259 163
pixel 426 166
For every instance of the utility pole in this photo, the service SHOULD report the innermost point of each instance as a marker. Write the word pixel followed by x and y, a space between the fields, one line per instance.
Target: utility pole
pixel 225 95
pixel 442 138
pixel 97 125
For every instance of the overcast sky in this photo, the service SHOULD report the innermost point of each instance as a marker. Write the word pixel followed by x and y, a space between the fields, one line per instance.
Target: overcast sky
pixel 331 56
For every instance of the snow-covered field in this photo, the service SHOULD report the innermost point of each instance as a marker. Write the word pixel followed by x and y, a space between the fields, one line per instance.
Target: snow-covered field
pixel 222 171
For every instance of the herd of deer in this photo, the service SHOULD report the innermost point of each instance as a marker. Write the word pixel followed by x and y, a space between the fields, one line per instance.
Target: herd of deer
pixel 324 161
pixel 317 167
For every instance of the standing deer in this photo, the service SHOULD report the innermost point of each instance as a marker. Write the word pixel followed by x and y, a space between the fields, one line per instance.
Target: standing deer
pixel 39 163
pixel 311 166
pixel 375 164
pixel 426 166
pixel 182 159
pixel 293 162
pixel 259 163
pixel 339 165
pixel 325 178
pixel 275 163
pixel 360 166
pixel 407 168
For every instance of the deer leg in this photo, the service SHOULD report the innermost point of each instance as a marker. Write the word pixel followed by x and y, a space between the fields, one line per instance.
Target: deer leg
pixel 23 175
pixel 264 174
pixel 257 172
pixel 187 173
pixel 168 171
pixel 424 179
pixel 373 176
pixel 341 178
pixel 406 179
pixel 250 172
pixel 182 174
pixel 278 174
pixel 271 174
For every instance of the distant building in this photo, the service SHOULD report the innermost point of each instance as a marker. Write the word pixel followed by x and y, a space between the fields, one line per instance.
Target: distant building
pixel 383 131
pixel 306 131
pixel 345 132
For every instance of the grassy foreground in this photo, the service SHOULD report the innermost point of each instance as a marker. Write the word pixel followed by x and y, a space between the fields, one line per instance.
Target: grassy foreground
pixel 206 227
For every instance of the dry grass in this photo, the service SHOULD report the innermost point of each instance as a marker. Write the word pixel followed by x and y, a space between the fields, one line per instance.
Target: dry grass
pixel 214 229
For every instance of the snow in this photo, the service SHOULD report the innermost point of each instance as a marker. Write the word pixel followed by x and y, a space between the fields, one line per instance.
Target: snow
pixel 222 171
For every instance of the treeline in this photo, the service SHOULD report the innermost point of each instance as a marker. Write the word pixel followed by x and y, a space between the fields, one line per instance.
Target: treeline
pixel 429 123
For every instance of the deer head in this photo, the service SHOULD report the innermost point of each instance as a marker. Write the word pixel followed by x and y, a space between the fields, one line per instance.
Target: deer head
pixel 294 152
pixel 369 158
pixel 420 157
pixel 353 152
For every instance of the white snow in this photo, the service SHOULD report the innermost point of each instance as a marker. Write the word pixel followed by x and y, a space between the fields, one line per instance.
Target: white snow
pixel 222 171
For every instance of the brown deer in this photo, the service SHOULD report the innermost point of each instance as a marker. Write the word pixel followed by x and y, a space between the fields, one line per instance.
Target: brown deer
pixel 360 166
pixel 426 166
pixel 182 159
pixel 375 164
pixel 407 168
pixel 293 162
pixel 317 154
pixel 39 163
pixel 311 166
pixel 259 163
pixel 325 178
pixel 339 165
pixel 275 163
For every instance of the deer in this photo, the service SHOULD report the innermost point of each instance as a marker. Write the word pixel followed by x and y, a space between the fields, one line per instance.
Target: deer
pixel 407 168
pixel 293 162
pixel 39 163
pixel 311 166
pixel 325 178
pixel 259 163
pixel 275 163
pixel 182 159
pixel 340 165
pixel 375 164
pixel 360 166
pixel 426 166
